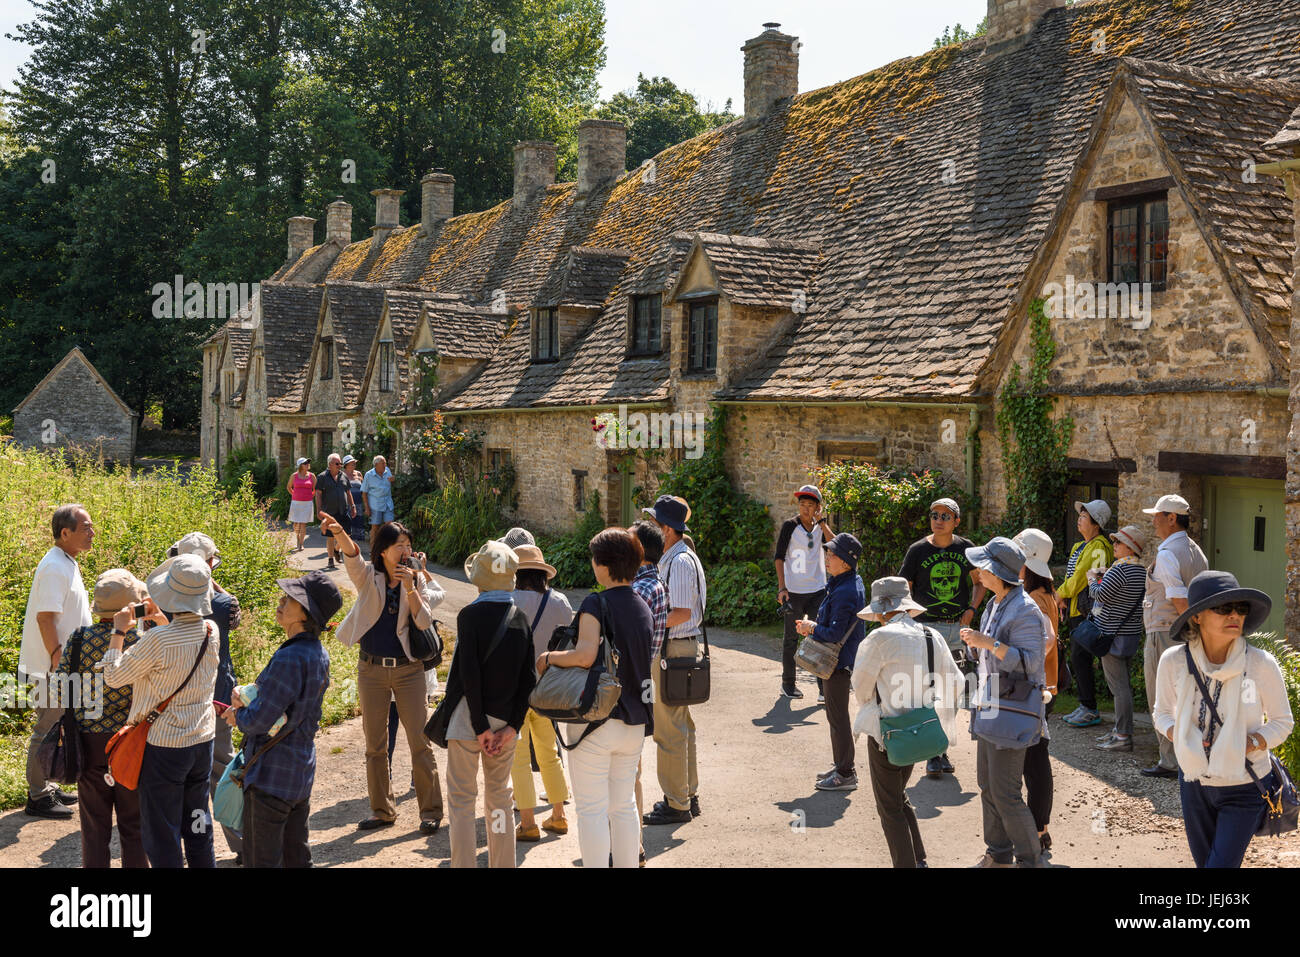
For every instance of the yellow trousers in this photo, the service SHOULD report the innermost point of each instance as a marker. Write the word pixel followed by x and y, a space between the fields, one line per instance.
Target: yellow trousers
pixel 541 733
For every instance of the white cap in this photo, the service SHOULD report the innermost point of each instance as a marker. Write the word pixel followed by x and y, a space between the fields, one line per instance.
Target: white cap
pixel 1097 508
pixel 1170 503
pixel 1037 546
pixel 301 463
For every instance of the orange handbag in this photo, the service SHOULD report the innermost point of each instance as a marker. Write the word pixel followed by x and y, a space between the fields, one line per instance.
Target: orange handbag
pixel 125 749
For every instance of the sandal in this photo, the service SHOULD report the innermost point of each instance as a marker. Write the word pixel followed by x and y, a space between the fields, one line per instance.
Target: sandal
pixel 527 833
pixel 556 827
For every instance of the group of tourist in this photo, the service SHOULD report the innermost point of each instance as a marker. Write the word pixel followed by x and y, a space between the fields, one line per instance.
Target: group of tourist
pixel 959 625
pixel 359 500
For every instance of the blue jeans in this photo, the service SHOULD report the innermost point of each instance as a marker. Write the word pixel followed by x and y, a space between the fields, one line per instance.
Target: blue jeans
pixel 174 805
pixel 1220 821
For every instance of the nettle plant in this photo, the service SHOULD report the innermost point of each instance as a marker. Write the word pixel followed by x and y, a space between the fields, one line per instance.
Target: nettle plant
pixel 1035 446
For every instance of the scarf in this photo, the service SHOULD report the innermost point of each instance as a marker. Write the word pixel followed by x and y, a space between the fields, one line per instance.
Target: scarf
pixel 1228 753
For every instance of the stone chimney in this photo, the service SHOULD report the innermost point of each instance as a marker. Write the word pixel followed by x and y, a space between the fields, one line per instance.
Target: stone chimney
pixel 771 70
pixel 437 199
pixel 387 213
pixel 602 153
pixel 1012 19
pixel 301 231
pixel 338 221
pixel 534 167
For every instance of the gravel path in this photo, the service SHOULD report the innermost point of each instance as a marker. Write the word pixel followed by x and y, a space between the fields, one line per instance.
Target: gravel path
pixel 758 756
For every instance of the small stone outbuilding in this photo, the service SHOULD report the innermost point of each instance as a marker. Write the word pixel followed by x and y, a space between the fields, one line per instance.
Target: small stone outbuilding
pixel 74 406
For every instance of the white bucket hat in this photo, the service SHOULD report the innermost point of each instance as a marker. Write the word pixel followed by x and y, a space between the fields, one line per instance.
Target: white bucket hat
pixel 183 583
pixel 1037 546
pixel 1097 508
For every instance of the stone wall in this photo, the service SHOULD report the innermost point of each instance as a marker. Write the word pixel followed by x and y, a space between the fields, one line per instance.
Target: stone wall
pixel 1009 19
pixel 82 414
pixel 1293 448
pixel 208 412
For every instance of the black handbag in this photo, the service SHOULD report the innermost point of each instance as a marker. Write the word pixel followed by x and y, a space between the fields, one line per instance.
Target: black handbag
pixel 426 643
pixel 685 681
pixel 1282 805
pixel 436 728
pixel 59 753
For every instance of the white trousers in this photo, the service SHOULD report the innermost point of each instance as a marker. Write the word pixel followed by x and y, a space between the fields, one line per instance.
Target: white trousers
pixel 603 773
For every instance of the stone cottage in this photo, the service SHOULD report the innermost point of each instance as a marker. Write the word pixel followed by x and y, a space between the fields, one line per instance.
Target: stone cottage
pixel 74 406
pixel 852 270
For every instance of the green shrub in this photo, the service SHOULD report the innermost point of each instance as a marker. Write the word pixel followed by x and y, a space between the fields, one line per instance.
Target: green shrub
pixel 137 518
pixel 245 461
pixel 886 509
pixel 571 554
pixel 726 525
pixel 1288 660
pixel 454 522
pixel 742 594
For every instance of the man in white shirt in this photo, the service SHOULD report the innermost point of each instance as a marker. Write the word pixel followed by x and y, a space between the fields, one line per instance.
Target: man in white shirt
pixel 56 607
pixel 1178 561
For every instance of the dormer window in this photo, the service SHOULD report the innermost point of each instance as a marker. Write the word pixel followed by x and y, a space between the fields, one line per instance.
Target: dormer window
pixel 1138 240
pixel 387 368
pixel 546 335
pixel 326 359
pixel 647 339
pixel 702 337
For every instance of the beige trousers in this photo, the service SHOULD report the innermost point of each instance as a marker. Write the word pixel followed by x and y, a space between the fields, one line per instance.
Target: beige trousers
pixel 376 686
pixel 462 794
pixel 675 734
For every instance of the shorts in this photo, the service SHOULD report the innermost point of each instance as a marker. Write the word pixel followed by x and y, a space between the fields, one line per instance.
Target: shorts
pixel 380 515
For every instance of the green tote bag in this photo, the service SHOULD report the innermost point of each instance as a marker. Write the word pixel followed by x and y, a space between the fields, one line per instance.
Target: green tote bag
pixel 915 735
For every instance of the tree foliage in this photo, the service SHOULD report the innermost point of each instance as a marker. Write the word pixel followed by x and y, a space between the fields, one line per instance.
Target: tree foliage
pixel 659 114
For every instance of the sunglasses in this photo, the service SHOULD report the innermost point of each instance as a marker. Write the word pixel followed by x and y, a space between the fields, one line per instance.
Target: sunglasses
pixel 1241 608
pixel 942 517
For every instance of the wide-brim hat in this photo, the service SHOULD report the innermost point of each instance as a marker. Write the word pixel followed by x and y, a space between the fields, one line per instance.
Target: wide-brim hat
pixel 115 589
pixel 1001 556
pixel 531 559
pixel 492 567
pixel 1097 510
pixel 1132 536
pixel 888 595
pixel 1210 589
pixel 1037 546
pixel 196 543
pixel 670 511
pixel 183 583
pixel 316 593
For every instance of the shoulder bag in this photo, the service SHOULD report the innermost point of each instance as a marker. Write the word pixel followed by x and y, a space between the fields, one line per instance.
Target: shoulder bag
pixel 440 721
pixel 125 749
pixel 580 695
pixel 1087 634
pixel 915 735
pixel 1013 719
pixel 60 750
pixel 228 798
pixel 1281 803
pixel 686 680
pixel 821 658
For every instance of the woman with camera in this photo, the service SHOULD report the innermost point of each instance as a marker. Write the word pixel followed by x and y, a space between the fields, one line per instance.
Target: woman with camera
pixel 394 593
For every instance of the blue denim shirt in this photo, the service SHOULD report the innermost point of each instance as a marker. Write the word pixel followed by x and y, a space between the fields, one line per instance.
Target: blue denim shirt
pixel 293 684
pixel 845 597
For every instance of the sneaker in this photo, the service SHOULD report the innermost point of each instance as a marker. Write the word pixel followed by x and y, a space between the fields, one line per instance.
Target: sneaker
pixel 791 692
pixel 838 782
pixel 66 798
pixel 1115 743
pixel 1085 719
pixel 988 861
pixel 1073 715
pixel 933 768
pixel 821 698
pixel 827 773
pixel 665 813
pixel 1101 738
pixel 48 806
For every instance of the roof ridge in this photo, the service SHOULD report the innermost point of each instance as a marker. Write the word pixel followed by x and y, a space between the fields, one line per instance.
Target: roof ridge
pixel 1203 76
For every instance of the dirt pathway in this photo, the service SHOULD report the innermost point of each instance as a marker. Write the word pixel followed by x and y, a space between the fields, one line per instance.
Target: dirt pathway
pixel 758 756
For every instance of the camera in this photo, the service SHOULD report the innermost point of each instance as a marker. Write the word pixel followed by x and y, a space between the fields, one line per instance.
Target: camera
pixel 139 611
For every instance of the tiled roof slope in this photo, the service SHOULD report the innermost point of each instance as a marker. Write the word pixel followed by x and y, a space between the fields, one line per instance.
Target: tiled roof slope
pixel 464 331
pixel 311 266
pixel 1212 123
pixel 355 309
pixel 586 279
pixel 1289 136
pixel 239 340
pixel 761 272
pixel 928 185
pixel 289 314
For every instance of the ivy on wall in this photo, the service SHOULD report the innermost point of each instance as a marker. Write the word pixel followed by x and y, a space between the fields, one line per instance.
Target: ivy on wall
pixel 1035 446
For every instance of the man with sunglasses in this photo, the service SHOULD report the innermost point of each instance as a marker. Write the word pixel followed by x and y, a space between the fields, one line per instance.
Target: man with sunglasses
pixel 1178 561
pixel 800 576
pixel 944 581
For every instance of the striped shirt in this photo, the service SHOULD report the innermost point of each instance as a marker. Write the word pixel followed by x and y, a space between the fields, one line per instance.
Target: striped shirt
pixel 1120 592
pixel 156 665
pixel 652 592
pixel 684 578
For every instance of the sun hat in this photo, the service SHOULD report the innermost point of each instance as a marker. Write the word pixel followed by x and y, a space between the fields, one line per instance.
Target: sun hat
pixel 347 459
pixel 492 567
pixel 670 511
pixel 1037 546
pixel 183 583
pixel 1210 589
pixel 1098 510
pixel 948 503
pixel 1132 536
pixel 890 594
pixel 846 547
pixel 518 536
pixel 196 543
pixel 115 589
pixel 316 593
pixel 530 559
pixel 1001 556
pixel 1170 503
pixel 809 490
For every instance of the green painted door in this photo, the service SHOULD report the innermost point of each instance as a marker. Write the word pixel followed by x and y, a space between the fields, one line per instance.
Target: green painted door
pixel 1246 535
pixel 627 512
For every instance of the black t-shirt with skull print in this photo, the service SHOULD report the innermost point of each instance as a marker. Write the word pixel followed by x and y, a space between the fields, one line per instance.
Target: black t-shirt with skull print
pixel 940 578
